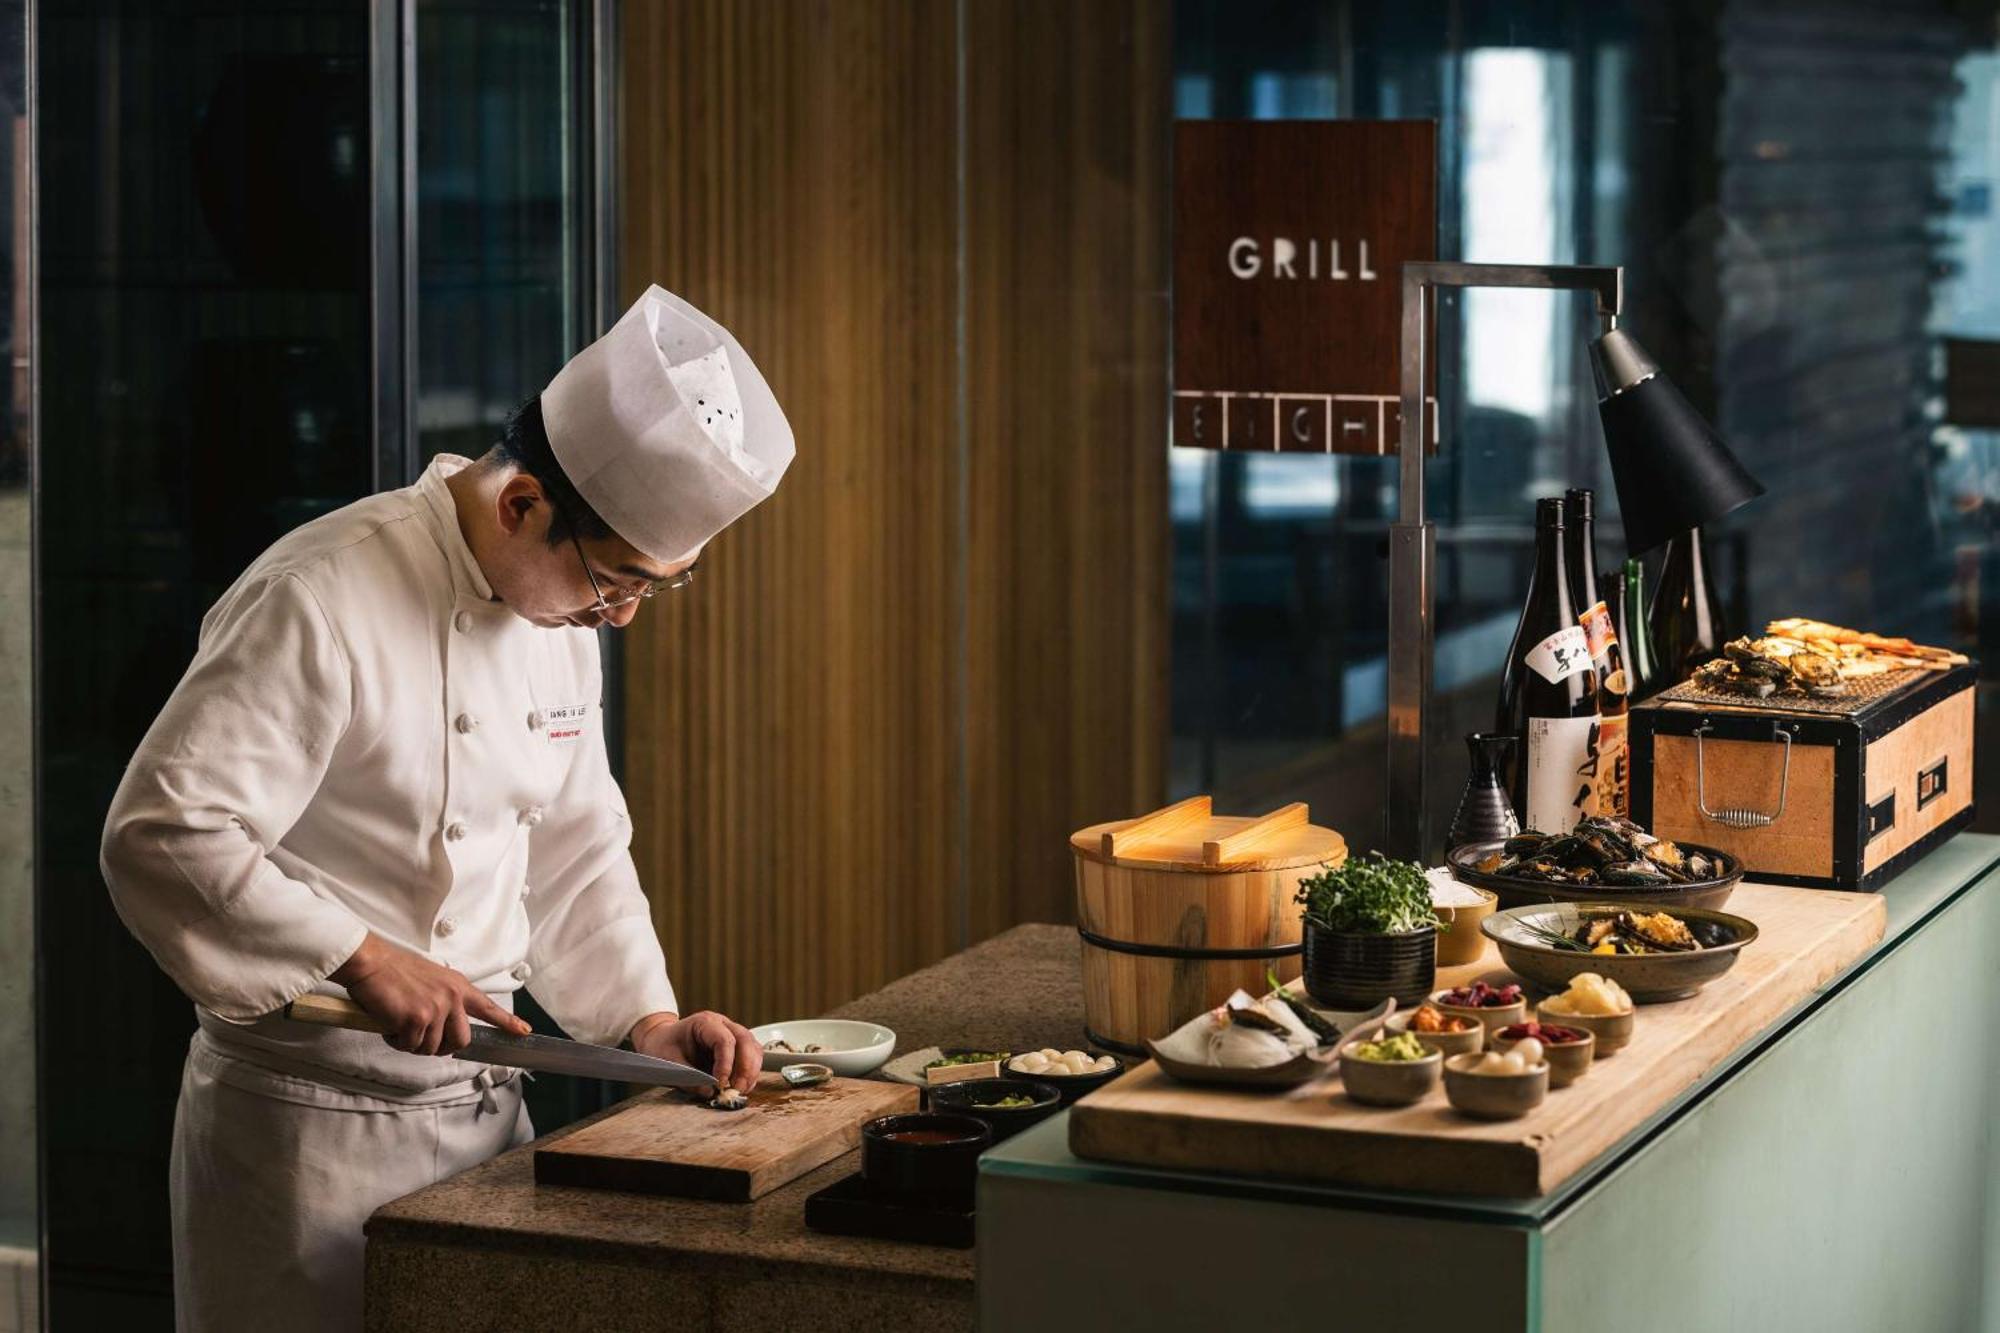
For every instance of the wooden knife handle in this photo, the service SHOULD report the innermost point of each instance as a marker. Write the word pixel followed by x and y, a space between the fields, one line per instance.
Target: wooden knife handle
pixel 332 1011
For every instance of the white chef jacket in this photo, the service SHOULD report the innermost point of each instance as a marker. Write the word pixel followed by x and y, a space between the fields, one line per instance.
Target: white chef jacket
pixel 368 740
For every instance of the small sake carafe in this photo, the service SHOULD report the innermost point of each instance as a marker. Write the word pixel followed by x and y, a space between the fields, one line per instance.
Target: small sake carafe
pixel 1485 814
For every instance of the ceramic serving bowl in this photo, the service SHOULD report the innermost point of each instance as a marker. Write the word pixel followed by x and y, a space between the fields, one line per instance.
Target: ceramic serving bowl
pixel 1608 1031
pixel 1070 1086
pixel 848 1047
pixel 1491 1017
pixel 1470 1041
pixel 1647 978
pixel 924 1154
pixel 1388 1082
pixel 1568 1060
pixel 979 1098
pixel 1515 891
pixel 1459 941
pixel 1493 1096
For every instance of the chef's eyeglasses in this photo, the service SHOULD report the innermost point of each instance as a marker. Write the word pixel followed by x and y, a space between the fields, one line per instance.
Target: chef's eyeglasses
pixel 653 589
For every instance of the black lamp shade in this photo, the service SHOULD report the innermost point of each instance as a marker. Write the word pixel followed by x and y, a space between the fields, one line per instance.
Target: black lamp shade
pixel 1671 469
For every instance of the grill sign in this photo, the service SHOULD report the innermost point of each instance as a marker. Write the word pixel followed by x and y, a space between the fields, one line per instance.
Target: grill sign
pixel 1289 241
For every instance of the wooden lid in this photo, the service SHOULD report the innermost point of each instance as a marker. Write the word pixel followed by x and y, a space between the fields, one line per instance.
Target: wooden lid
pixel 1189 835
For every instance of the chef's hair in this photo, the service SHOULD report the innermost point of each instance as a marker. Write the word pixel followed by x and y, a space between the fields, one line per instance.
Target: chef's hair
pixel 524 443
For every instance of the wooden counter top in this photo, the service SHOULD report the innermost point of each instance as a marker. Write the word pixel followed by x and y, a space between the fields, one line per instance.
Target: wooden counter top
pixel 701 1264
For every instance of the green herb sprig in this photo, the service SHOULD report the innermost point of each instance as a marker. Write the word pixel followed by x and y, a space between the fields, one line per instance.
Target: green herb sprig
pixel 1369 895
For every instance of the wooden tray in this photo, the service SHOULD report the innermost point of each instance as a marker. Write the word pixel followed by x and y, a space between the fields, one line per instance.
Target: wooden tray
pixel 1315 1133
pixel 665 1143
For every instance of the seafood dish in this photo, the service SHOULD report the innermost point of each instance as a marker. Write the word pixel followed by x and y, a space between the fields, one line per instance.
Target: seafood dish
pixel 1810 659
pixel 1652 955
pixel 1262 1042
pixel 1637 933
pixel 1602 852
pixel 1859 653
pixel 783 1047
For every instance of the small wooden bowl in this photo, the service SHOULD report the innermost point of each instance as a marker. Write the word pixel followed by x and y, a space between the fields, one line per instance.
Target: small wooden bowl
pixel 1471 1041
pixel 1568 1060
pixel 1492 1018
pixel 1493 1096
pixel 1464 943
pixel 1389 1082
pixel 1611 1030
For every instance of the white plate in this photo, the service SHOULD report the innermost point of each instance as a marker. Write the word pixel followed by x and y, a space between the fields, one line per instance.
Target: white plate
pixel 851 1048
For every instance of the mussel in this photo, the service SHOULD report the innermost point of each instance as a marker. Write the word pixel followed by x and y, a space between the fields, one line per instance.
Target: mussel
pixel 1634 874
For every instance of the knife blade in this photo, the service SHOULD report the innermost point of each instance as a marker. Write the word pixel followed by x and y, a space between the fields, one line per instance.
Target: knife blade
pixel 542 1054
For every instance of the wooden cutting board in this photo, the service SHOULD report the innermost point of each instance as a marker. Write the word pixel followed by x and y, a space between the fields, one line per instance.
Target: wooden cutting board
pixel 663 1142
pixel 1805 937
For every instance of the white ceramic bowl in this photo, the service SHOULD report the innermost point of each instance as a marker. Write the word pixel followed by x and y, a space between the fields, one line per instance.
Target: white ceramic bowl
pixel 848 1047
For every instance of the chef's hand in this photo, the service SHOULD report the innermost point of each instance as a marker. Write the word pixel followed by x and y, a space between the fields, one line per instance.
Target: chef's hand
pixel 705 1040
pixel 426 1008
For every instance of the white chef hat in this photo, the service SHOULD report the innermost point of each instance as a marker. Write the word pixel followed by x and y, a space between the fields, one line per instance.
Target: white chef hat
pixel 666 429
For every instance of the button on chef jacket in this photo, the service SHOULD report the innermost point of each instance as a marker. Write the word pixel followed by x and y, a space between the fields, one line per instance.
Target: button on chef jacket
pixel 366 740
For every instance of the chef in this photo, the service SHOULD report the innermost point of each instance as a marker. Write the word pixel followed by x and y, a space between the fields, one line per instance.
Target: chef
pixel 383 777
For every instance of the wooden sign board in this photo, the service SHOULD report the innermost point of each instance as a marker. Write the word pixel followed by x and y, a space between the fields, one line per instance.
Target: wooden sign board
pixel 1289 241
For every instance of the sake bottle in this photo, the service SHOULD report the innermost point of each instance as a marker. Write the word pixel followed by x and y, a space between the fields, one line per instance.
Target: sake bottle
pixel 1607 659
pixel 1627 593
pixel 1548 692
pixel 1686 628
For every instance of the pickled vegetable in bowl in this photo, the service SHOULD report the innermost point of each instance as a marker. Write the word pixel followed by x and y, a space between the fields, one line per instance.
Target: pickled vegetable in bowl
pixel 1590 996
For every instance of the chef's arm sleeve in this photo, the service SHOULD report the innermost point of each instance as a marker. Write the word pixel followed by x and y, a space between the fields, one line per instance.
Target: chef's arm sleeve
pixel 225 771
pixel 595 961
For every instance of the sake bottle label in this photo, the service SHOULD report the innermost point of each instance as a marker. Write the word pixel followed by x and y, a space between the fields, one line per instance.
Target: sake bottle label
pixel 1598 632
pixel 1614 768
pixel 1560 656
pixel 1563 757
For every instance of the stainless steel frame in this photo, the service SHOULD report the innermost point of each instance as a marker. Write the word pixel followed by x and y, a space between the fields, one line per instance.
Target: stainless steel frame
pixel 1413 539
pixel 392 61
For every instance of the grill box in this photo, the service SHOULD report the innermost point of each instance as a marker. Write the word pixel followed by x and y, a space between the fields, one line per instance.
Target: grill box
pixel 1861 786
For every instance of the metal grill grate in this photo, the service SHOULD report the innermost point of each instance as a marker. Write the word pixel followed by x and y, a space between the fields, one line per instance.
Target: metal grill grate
pixel 1860 694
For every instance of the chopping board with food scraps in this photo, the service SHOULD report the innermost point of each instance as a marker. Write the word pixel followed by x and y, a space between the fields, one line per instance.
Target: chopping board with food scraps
pixel 1317 1132
pixel 669 1143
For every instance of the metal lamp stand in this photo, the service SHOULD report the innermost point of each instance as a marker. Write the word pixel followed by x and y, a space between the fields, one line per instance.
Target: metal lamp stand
pixel 1413 540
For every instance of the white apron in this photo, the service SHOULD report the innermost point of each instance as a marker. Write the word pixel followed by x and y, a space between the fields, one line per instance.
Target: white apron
pixel 273 1175
pixel 365 741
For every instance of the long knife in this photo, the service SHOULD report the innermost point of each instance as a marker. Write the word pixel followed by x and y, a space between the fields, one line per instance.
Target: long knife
pixel 544 1055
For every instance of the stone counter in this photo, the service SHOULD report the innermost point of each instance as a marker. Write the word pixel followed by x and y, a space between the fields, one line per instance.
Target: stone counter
pixel 490 1248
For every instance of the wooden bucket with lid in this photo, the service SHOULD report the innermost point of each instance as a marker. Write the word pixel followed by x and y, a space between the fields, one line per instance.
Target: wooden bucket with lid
pixel 1182 906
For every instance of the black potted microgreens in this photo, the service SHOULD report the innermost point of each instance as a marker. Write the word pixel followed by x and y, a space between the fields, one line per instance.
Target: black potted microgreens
pixel 1370 932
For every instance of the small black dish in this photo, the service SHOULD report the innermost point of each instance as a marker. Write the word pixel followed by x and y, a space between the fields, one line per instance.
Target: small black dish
pixel 1070 1086
pixel 853 1207
pixel 926 1154
pixel 1006 1121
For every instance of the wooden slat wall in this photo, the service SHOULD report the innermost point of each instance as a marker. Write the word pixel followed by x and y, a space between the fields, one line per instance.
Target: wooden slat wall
pixel 1067 132
pixel 864 737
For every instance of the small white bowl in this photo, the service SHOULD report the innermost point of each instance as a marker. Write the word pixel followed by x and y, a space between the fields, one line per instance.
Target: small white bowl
pixel 848 1047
